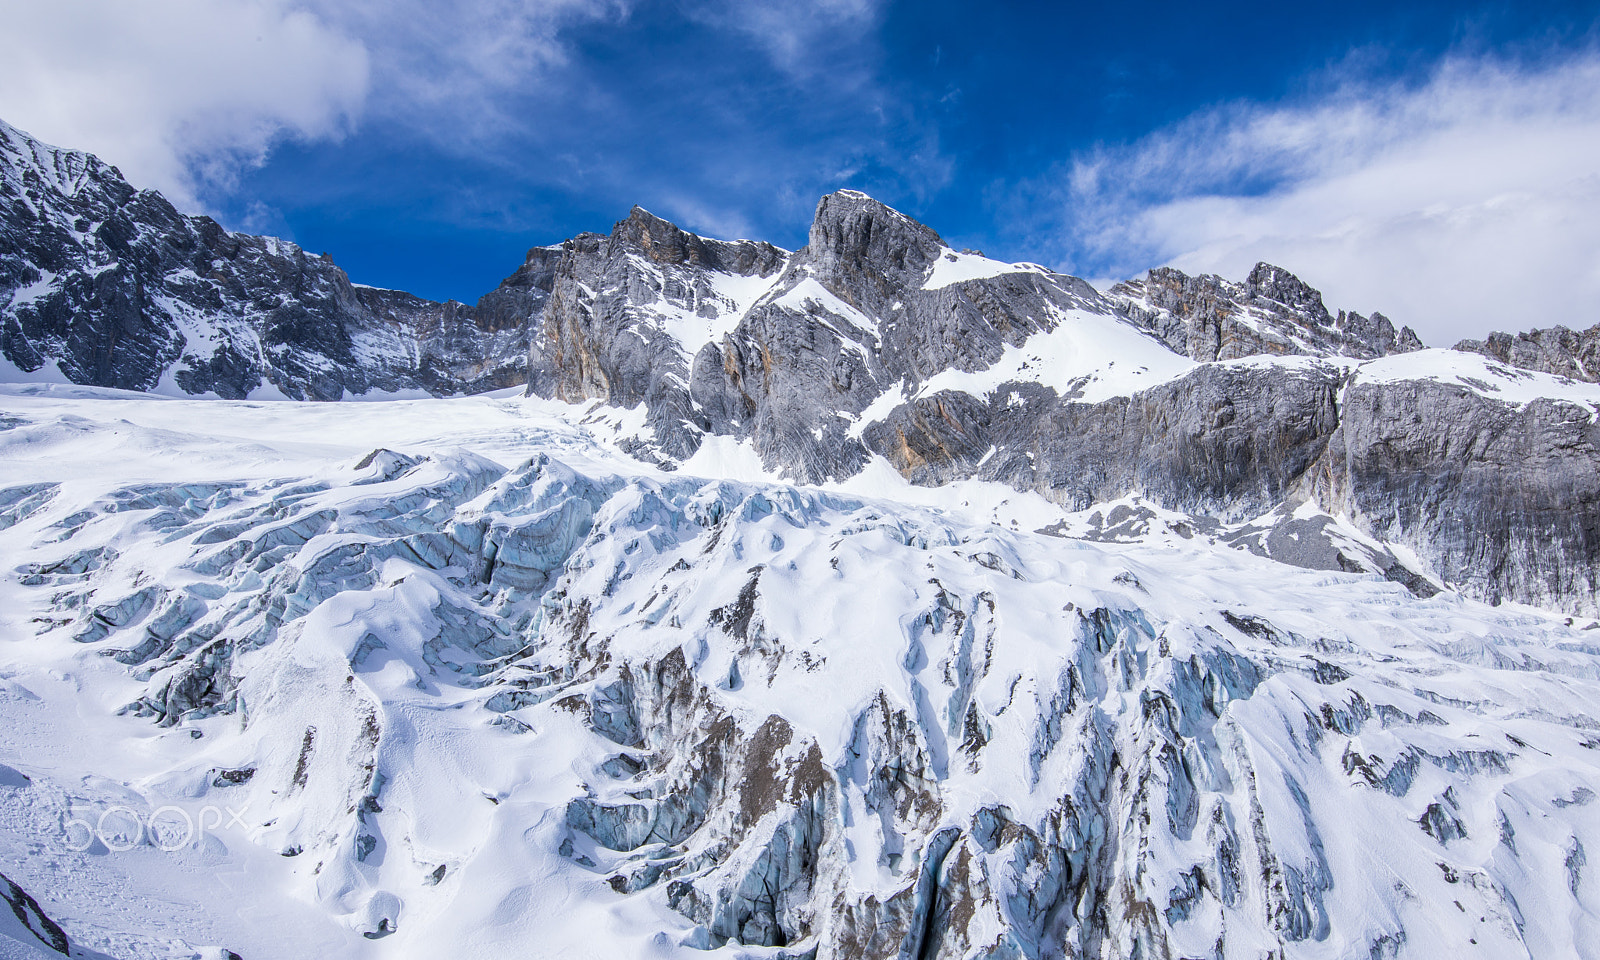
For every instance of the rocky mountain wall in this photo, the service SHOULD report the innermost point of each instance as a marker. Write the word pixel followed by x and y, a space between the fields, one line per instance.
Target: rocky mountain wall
pixel 1554 350
pixel 618 310
pixel 1503 500
pixel 116 288
pixel 854 316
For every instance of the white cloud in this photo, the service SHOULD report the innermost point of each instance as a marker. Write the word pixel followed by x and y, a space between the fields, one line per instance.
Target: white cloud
pixel 1465 202
pixel 183 94
pixel 803 38
pixel 451 68
pixel 178 93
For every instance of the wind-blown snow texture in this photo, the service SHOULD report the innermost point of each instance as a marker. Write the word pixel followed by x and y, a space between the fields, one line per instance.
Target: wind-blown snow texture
pixel 870 600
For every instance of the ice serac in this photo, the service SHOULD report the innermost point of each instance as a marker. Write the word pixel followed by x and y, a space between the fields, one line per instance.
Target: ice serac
pixel 648 714
pixel 628 312
pixel 105 285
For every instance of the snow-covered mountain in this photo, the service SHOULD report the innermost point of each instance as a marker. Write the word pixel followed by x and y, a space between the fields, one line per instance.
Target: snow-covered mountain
pixel 874 599
pixel 107 285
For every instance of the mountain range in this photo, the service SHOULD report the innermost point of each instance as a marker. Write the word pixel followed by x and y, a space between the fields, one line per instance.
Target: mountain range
pixel 872 599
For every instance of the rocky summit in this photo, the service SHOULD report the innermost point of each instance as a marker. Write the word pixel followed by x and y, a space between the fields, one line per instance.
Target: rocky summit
pixel 692 597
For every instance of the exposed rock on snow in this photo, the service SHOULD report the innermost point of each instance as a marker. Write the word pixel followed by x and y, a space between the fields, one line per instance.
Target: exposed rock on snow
pixel 1272 312
pixel 1554 350
pixel 26 932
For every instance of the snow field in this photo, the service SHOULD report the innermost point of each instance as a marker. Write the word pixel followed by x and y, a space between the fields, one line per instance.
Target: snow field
pixel 439 655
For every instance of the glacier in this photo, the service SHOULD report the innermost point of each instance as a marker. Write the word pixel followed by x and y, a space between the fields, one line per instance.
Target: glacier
pixel 462 677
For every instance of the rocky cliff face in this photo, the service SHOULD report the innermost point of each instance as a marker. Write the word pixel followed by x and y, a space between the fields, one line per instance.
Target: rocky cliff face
pixel 113 287
pixel 1272 312
pixel 1554 350
pixel 627 312
pixel 873 308
pixel 1500 497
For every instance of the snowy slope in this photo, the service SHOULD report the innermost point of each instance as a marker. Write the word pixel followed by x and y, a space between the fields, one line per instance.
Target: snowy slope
pixel 495 689
pixel 1086 357
pixel 1479 374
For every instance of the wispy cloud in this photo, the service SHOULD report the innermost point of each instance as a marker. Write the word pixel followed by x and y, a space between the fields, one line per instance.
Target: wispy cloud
pixel 179 93
pixel 803 38
pixel 184 94
pixel 1463 201
pixel 460 69
pixel 729 115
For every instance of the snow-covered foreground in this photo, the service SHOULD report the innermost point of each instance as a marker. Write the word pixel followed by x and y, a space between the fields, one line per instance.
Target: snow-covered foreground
pixel 455 678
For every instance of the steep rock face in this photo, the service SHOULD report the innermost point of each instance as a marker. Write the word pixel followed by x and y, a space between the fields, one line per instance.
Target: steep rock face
pixel 1553 350
pixel 628 311
pixel 874 302
pixel 1504 499
pixel 1271 312
pixel 115 288
pixel 1225 441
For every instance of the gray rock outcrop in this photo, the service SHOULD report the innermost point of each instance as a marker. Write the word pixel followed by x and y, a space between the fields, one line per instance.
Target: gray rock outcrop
pixel 621 309
pixel 1272 312
pixel 32 934
pixel 853 317
pixel 1555 350
pixel 116 288
pixel 1503 499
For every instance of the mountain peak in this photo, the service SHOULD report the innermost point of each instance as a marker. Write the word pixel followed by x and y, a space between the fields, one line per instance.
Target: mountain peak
pixel 663 241
pixel 1276 283
pixel 851 224
pixel 859 243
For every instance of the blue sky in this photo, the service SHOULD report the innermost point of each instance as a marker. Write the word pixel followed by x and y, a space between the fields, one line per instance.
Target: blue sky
pixel 1397 155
